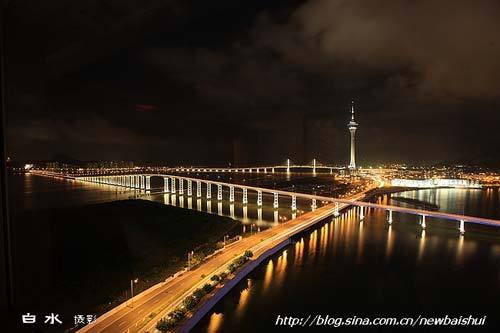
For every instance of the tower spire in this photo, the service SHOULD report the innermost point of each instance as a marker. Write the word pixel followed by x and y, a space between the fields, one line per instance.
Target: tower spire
pixel 352 125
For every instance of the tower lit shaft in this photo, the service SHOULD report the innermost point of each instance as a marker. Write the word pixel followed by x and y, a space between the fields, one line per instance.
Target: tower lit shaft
pixel 352 125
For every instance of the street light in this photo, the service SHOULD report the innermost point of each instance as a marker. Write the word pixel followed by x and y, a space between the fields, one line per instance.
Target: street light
pixel 132 282
pixel 190 257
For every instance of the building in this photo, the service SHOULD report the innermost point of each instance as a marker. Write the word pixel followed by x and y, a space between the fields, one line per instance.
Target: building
pixel 436 182
pixel 352 125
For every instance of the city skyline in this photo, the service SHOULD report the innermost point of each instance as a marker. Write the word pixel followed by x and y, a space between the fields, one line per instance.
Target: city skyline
pixel 256 166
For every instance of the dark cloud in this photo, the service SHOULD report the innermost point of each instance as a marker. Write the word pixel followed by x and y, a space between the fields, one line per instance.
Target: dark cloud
pixel 258 82
pixel 437 49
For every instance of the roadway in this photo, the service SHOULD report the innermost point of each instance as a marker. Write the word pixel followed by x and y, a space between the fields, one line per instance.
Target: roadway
pixel 171 293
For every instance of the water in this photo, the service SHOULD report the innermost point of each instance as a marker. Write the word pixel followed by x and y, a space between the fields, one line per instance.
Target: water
pixel 342 268
pixel 474 202
pixel 346 267
pixel 31 192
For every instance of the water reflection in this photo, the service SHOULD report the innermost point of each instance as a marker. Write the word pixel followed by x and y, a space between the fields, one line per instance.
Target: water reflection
pixel 313 239
pixel 280 270
pixel 346 253
pixel 323 239
pixel 215 322
pixel 421 247
pixel 244 297
pixel 460 250
pixel 389 243
pixel 299 252
pixel 268 276
pixel 360 241
pixel 231 211
pixel 245 213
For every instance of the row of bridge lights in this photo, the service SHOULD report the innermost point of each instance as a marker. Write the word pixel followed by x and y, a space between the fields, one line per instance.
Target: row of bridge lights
pixel 249 170
pixel 423 225
pixel 143 182
pixel 170 187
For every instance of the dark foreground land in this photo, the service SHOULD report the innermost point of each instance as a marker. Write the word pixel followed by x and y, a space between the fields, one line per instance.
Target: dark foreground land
pixel 81 260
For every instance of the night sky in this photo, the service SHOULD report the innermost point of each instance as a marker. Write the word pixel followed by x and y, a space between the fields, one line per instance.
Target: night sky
pixel 253 82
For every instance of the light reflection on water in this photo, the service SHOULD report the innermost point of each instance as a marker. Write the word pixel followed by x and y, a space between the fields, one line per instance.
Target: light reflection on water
pixel 350 267
pixel 244 298
pixel 215 322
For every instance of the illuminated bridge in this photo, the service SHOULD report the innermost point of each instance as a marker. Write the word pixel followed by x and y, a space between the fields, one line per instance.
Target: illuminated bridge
pixel 194 187
pixel 288 167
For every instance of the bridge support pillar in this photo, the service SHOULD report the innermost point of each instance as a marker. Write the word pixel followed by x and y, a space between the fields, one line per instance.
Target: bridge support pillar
pixel 181 186
pixel 313 204
pixel 219 192
pixel 190 187
pixel 231 211
pixel 259 198
pixel 314 166
pixel 331 171
pixel 361 212
pixel 198 189
pixel 245 213
pixel 265 170
pixel 389 218
pixel 209 191
pixel 336 209
pixel 461 227
pixel 166 188
pixel 272 170
pixel 245 196
pixel 148 183
pixel 294 203
pixel 276 202
pixel 231 194
pixel 422 223
pixel 288 165
pixel 173 185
